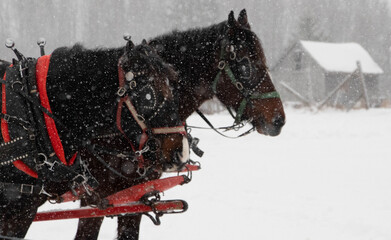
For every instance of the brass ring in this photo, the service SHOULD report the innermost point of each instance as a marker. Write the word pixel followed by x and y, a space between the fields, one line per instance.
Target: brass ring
pixel 239 85
pixel 17 82
pixel 232 56
pixel 221 65
pixel 132 84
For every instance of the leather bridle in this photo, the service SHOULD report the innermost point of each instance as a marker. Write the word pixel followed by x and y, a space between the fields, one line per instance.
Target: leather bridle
pixel 248 94
pixel 127 82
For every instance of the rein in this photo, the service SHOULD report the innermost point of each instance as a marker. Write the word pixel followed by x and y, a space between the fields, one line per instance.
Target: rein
pixel 226 128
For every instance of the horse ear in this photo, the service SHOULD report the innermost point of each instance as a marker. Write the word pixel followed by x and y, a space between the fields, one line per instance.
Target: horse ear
pixel 144 42
pixel 172 74
pixel 242 19
pixel 231 20
pixel 129 45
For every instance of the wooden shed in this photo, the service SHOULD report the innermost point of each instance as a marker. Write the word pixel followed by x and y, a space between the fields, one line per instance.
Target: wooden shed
pixel 310 71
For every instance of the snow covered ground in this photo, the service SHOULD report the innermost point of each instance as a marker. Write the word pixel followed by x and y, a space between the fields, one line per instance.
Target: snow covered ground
pixel 327 176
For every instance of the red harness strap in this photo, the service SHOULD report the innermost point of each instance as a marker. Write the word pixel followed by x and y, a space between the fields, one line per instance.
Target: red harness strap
pixel 124 100
pixel 42 68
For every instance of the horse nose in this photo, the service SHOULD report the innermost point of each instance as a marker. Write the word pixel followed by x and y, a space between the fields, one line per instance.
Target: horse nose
pixel 278 121
pixel 185 154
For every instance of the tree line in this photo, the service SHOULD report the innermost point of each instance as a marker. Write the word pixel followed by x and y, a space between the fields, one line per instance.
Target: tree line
pixel 279 23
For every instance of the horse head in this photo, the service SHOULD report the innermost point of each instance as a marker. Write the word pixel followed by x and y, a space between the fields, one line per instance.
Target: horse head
pixel 243 81
pixel 147 80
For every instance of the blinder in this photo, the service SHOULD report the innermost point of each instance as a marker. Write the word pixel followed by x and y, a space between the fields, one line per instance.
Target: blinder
pixel 145 99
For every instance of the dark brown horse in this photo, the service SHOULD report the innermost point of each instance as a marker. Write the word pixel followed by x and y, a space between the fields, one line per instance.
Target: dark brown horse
pixel 225 60
pixel 97 94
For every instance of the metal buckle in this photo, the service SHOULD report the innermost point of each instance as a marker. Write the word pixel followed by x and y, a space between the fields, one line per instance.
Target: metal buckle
pixel 239 85
pixel 221 65
pixel 51 165
pixel 6 117
pixel 121 91
pixel 26 188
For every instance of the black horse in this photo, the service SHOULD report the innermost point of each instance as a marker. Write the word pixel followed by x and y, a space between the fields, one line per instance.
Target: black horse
pixel 97 94
pixel 226 61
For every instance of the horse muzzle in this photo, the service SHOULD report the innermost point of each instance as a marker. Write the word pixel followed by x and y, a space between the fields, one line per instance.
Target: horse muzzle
pixel 272 128
pixel 179 159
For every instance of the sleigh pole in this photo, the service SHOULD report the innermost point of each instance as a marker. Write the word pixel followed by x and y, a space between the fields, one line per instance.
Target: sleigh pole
pixel 133 200
pixel 160 207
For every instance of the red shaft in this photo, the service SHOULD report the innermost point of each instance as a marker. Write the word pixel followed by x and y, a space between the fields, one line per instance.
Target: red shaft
pixel 88 212
pixel 136 192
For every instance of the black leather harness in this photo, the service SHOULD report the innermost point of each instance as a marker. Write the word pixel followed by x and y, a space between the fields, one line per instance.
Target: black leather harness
pixel 27 145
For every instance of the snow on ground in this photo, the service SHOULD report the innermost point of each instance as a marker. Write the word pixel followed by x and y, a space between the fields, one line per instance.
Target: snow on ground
pixel 327 176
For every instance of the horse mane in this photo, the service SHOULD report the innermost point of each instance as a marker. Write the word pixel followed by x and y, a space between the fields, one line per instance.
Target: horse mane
pixel 198 34
pixel 80 79
pixel 96 67
pixel 198 43
pixel 152 59
pixel 87 58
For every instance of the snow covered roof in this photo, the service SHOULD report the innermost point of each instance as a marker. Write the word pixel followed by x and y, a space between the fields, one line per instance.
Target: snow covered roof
pixel 341 57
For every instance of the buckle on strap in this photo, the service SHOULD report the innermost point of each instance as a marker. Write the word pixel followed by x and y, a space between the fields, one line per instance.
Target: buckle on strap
pixel 26 188
pixel 121 91
pixel 6 117
pixel 221 65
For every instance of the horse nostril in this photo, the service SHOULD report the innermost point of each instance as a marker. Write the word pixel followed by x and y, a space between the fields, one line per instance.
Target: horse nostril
pixel 279 121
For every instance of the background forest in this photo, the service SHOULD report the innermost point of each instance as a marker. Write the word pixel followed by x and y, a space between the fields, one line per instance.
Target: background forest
pixel 279 23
